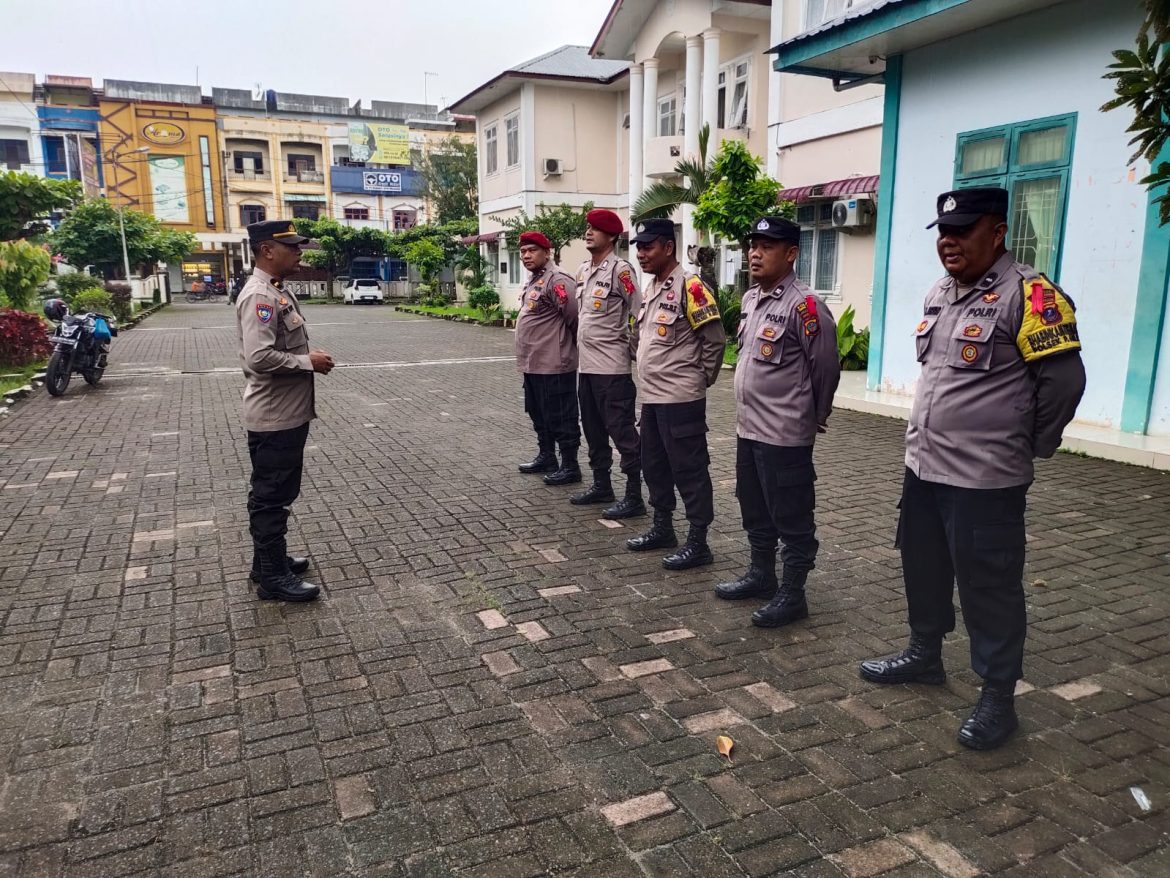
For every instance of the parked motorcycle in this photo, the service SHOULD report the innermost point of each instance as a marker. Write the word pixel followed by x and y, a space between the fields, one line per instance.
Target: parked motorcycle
pixel 81 343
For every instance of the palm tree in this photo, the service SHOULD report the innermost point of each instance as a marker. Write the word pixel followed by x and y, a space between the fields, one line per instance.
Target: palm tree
pixel 663 198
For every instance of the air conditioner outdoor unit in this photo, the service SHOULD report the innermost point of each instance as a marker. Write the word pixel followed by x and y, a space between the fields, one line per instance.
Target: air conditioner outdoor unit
pixel 553 167
pixel 852 213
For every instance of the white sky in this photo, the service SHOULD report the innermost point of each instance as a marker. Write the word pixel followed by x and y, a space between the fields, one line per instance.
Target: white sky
pixel 355 50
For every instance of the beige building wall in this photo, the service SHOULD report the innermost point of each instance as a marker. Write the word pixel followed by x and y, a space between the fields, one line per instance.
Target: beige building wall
pixel 506 179
pixel 582 128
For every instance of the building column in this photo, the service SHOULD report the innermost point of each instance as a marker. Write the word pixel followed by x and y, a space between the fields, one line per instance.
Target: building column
pixel 711 83
pixel 649 106
pixel 691 133
pixel 637 99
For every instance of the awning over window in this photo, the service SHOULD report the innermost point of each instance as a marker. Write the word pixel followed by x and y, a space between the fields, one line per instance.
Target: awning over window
pixel 833 189
pixel 487 238
pixel 320 198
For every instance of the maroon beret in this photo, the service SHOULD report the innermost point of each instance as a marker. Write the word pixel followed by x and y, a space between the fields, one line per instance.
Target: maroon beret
pixel 605 220
pixel 537 238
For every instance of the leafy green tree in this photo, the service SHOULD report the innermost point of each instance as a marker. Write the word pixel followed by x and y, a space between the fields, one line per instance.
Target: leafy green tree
pixel 428 259
pixel 738 193
pixel 26 200
pixel 341 244
pixel 473 268
pixel 1142 81
pixel 90 235
pixel 560 224
pixel 23 267
pixel 450 174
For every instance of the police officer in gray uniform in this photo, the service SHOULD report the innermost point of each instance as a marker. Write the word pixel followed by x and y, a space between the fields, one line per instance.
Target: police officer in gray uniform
pixel 680 353
pixel 785 379
pixel 278 405
pixel 1001 379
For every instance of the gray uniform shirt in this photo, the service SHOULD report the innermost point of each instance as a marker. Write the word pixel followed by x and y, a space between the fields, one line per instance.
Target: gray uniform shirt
pixel 274 353
pixel 607 296
pixel 546 330
pixel 680 340
pixel 788 368
pixel 1001 378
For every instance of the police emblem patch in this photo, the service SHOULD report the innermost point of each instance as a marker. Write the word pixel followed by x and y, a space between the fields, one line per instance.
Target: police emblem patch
pixel 922 325
pixel 597 304
pixel 662 331
pixel 769 332
pixel 969 353
pixel 990 297
pixel 264 311
pixel 641 227
pixel 811 327
pixel 766 350
pixel 762 225
pixel 973 331
pixel 562 294
pixel 627 281
pixel 949 204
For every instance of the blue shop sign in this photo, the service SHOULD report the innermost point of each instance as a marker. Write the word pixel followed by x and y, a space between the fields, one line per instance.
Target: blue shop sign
pixel 382 181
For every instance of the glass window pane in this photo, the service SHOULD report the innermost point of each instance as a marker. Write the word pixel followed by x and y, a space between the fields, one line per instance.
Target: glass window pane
pixel 1035 206
pixel 804 260
pixel 982 156
pixel 826 259
pixel 1042 146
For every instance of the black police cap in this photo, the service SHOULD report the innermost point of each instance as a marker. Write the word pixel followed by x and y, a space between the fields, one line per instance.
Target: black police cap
pixel 275 230
pixel 961 207
pixel 652 230
pixel 777 228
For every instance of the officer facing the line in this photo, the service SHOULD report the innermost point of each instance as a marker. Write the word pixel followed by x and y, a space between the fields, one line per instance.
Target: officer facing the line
pixel 787 373
pixel 1001 378
pixel 680 353
pixel 607 299
pixel 278 405
pixel 546 354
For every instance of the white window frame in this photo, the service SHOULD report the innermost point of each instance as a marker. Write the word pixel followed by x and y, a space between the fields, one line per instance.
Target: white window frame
pixel 515 268
pixel 829 10
pixel 822 223
pixel 725 85
pixel 491 151
pixel 670 101
pixel 512 139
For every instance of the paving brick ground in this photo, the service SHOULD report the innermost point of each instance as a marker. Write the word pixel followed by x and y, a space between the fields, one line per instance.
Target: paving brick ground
pixel 492 685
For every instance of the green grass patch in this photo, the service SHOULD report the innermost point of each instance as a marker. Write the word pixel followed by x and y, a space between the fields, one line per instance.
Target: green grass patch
pixel 19 377
pixel 730 355
pixel 446 310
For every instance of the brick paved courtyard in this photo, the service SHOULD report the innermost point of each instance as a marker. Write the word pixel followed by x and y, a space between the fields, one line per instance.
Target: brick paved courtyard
pixel 491 684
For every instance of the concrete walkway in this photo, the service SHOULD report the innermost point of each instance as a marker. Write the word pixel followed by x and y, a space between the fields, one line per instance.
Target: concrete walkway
pixel 492 685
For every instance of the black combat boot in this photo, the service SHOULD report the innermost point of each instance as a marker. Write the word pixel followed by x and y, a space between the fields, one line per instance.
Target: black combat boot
pixel 545 460
pixel 631 504
pixel 694 553
pixel 601 491
pixel 569 473
pixel 994 718
pixel 758 582
pixel 295 565
pixel 277 582
pixel 920 662
pixel 660 536
pixel 788 604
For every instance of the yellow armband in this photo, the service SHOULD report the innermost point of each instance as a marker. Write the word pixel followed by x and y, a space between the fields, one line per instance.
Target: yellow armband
pixel 1050 321
pixel 701 305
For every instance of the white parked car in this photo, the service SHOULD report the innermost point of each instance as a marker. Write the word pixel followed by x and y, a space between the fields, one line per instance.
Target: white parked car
pixel 362 290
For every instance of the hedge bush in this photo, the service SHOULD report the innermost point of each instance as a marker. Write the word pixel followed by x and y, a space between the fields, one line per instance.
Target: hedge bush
pixel 23 339
pixel 120 300
pixel 92 300
pixel 69 285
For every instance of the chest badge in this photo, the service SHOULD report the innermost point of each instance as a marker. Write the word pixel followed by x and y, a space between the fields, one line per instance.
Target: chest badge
pixel 597 304
pixel 969 353
pixel 264 312
pixel 990 297
pixel 766 350
pixel 973 331
pixel 922 325
pixel 769 332
pixel 662 332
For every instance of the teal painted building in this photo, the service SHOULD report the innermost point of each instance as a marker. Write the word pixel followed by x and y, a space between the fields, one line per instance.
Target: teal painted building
pixel 1007 92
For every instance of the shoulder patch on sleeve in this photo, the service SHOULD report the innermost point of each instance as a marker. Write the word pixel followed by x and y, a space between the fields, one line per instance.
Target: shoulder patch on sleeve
pixel 264 311
pixel 701 305
pixel 1049 325
pixel 626 277
pixel 807 310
